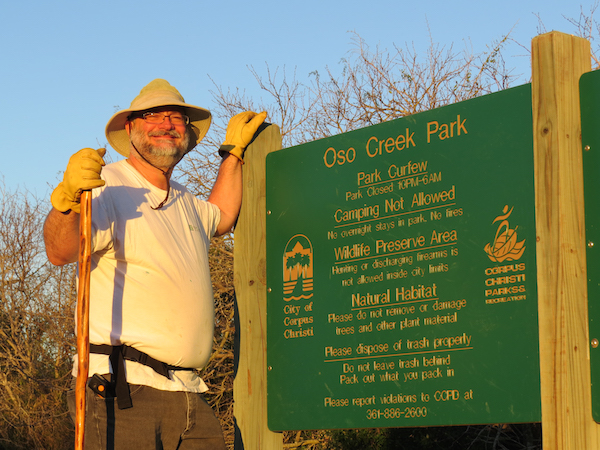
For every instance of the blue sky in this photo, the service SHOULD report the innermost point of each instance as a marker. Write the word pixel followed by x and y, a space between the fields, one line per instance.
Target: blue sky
pixel 68 65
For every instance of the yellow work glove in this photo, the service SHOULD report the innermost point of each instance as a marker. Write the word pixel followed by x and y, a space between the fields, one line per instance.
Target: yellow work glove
pixel 82 174
pixel 240 131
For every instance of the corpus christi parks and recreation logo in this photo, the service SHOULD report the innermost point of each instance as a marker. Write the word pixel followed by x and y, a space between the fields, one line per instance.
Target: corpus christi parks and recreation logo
pixel 506 246
pixel 298 269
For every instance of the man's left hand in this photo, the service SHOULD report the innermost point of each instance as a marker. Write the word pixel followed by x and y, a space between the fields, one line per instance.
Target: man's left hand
pixel 240 131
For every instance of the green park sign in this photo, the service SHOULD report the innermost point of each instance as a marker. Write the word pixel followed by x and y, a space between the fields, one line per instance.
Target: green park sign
pixel 401 272
pixel 590 131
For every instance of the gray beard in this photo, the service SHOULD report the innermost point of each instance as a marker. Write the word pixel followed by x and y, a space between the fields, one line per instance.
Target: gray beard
pixel 163 156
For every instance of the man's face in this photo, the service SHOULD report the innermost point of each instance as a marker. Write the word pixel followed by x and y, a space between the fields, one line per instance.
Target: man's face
pixel 162 144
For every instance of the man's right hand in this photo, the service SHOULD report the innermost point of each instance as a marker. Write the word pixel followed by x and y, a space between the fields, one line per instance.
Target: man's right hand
pixel 82 174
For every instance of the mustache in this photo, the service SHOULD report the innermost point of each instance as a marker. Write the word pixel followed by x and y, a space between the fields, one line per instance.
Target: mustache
pixel 172 133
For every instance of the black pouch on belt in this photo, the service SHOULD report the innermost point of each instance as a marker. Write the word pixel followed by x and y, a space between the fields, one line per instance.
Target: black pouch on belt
pixel 117 354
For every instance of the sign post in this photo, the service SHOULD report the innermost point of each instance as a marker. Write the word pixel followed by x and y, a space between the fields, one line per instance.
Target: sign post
pixel 249 271
pixel 558 61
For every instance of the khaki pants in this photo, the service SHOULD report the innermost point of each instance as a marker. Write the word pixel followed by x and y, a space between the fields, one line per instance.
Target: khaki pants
pixel 158 420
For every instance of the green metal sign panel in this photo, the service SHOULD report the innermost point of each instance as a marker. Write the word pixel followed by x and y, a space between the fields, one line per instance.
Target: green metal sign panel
pixel 401 272
pixel 589 88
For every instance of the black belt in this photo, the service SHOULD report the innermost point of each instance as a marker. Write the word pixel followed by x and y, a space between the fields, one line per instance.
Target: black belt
pixel 117 356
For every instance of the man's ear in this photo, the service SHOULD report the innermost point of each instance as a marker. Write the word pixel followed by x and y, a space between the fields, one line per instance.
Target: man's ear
pixel 128 127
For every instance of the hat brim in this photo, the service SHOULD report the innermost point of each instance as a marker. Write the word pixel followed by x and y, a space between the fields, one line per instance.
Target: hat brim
pixel 118 138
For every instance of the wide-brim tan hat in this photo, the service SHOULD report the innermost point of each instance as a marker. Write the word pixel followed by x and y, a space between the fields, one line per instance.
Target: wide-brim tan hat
pixel 156 93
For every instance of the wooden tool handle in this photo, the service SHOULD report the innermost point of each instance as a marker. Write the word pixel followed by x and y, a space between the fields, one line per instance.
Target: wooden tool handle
pixel 83 314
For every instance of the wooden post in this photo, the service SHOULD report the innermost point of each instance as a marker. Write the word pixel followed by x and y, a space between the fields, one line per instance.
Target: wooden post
pixel 558 61
pixel 250 273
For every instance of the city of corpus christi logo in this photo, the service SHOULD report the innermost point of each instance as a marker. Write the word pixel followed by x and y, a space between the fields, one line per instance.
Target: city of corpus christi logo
pixel 298 269
pixel 505 247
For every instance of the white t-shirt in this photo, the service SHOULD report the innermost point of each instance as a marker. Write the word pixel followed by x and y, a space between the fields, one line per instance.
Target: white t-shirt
pixel 150 282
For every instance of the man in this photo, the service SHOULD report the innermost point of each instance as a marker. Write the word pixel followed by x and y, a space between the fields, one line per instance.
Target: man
pixel 151 303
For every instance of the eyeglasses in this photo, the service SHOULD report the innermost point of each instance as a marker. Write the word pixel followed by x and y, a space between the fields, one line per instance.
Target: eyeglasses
pixel 157 118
